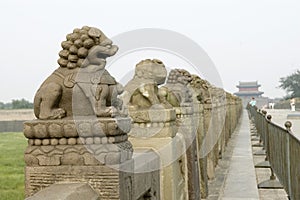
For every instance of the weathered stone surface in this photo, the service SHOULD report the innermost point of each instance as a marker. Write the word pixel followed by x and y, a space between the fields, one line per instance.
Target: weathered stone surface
pixel 158 115
pixel 81 127
pixel 66 191
pixel 108 183
pixel 201 134
pixel 142 91
pixel 153 123
pixel 201 89
pixel 147 129
pixel 93 131
pixel 80 86
pixel 154 126
pixel 175 91
pixel 173 173
pixel 200 95
pixel 76 154
pixel 180 96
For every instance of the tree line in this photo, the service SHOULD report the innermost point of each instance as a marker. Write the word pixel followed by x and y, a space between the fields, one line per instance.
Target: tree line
pixel 16 104
pixel 291 84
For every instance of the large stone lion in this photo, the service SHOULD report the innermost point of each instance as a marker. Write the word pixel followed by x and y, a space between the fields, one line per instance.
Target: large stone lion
pixel 80 86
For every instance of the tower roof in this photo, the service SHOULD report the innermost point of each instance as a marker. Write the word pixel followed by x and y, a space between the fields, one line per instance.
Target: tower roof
pixel 248 84
pixel 248 93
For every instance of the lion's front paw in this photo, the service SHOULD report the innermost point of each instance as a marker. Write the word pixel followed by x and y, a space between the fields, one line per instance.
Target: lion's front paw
pixel 108 112
pixel 58 113
pixel 112 111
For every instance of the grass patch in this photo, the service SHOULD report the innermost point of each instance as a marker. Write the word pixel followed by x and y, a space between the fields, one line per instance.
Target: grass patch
pixel 12 146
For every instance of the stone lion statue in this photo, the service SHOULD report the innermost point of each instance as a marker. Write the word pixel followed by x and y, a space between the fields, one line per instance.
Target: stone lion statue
pixel 142 91
pixel 176 91
pixel 201 89
pixel 81 85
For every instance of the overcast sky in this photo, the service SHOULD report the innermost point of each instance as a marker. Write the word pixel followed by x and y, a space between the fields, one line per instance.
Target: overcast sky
pixel 246 40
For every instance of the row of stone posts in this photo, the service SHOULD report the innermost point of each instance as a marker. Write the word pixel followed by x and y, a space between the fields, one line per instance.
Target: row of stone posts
pixel 159 137
pixel 187 121
pixel 188 139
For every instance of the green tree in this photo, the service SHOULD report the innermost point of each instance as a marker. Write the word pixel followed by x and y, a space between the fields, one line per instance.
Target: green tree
pixel 5 106
pixel 20 104
pixel 8 106
pixel 2 105
pixel 291 84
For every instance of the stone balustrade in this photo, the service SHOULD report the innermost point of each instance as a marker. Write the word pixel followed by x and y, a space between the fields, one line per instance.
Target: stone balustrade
pixel 167 147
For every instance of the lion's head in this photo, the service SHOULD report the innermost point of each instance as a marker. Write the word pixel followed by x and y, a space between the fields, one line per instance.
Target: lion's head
pixel 199 83
pixel 151 69
pixel 180 76
pixel 84 47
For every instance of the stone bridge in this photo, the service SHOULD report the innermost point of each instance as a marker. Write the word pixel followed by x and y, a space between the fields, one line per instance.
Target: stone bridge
pixel 161 136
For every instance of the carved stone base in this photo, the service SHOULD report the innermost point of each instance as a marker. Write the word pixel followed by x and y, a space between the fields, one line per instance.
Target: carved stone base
pixel 153 123
pixel 84 141
pixel 70 191
pixel 93 154
pixel 107 182
pixel 81 151
pixel 77 127
pixel 152 115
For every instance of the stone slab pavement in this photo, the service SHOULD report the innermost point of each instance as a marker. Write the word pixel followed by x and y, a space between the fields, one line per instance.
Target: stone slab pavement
pixel 241 178
pixel 236 176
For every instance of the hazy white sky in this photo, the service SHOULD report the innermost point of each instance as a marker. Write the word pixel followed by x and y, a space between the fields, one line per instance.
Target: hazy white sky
pixel 247 40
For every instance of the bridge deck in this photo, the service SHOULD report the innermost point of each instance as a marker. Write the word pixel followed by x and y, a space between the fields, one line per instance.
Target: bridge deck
pixel 236 176
pixel 240 182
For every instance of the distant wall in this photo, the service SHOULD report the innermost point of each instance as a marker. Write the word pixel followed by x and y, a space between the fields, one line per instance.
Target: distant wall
pixel 260 102
pixel 11 126
pixel 12 120
pixel 286 104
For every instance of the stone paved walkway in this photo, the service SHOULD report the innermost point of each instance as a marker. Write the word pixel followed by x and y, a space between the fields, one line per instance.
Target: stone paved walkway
pixel 236 176
pixel 241 178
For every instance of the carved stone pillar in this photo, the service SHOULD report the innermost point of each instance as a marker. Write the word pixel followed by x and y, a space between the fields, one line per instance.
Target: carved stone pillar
pixel 156 129
pixel 80 134
pixel 188 125
pixel 87 151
